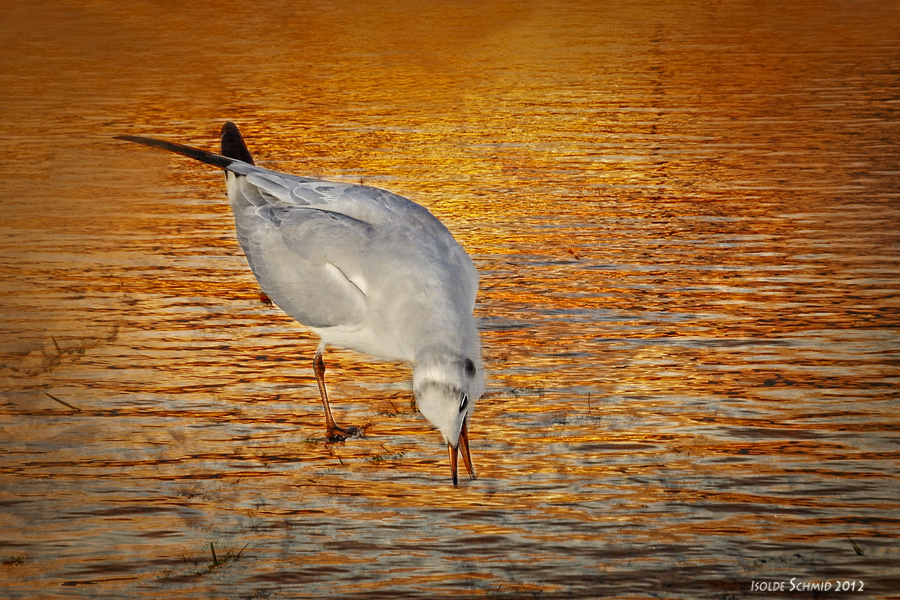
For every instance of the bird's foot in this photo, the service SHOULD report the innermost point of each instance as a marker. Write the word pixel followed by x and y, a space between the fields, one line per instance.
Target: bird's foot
pixel 339 434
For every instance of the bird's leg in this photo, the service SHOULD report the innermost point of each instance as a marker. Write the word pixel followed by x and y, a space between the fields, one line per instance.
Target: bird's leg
pixel 334 433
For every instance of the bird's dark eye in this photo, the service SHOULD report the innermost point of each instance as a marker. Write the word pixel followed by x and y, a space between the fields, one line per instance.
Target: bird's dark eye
pixel 464 403
pixel 470 367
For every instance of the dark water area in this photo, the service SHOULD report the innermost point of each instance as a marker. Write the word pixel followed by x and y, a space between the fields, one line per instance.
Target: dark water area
pixel 687 222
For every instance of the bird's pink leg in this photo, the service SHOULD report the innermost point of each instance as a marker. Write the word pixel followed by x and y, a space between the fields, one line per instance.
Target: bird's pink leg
pixel 333 432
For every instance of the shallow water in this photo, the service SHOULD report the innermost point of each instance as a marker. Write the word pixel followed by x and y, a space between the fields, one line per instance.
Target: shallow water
pixel 686 222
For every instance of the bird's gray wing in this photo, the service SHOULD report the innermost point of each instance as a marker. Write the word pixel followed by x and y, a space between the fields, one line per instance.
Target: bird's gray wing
pixel 315 245
pixel 293 251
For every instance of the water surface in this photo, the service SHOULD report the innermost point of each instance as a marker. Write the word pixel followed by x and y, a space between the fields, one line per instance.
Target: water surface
pixel 686 222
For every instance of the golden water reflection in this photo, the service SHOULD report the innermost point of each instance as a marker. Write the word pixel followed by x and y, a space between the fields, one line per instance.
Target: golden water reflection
pixel 687 229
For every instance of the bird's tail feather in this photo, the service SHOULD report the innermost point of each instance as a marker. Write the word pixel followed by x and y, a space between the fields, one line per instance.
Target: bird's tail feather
pixel 233 145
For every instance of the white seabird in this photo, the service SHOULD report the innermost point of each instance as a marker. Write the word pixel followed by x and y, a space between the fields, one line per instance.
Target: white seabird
pixel 365 269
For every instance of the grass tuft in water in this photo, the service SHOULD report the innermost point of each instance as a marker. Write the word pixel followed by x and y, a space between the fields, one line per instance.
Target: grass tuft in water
pixel 230 556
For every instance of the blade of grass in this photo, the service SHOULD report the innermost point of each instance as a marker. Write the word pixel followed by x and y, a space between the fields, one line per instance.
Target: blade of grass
pixel 242 551
pixel 64 403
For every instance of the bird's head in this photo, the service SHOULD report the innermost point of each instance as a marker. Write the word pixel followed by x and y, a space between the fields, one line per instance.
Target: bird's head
pixel 447 386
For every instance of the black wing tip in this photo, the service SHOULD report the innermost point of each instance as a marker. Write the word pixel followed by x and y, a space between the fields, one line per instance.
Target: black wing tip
pixel 209 158
pixel 137 139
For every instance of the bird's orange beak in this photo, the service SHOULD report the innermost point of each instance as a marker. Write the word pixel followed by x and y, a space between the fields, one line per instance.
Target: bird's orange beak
pixel 454 451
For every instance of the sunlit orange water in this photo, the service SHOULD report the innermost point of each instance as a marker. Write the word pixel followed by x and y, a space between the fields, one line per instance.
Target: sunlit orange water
pixel 686 222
